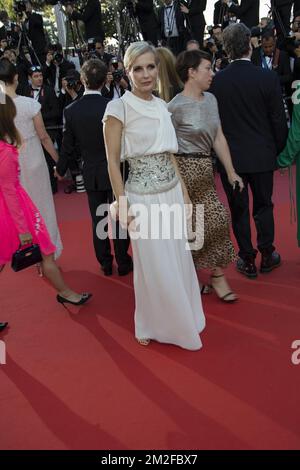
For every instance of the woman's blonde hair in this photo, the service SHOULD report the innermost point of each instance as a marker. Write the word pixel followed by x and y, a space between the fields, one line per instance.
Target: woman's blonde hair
pixel 169 82
pixel 135 50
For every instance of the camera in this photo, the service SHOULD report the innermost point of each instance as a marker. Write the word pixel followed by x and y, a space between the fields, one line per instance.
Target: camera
pixel 58 57
pixel 71 82
pixel 116 73
pixel 73 79
pixel 19 7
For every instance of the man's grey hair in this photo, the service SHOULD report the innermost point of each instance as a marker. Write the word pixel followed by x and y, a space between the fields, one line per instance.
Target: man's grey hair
pixel 236 41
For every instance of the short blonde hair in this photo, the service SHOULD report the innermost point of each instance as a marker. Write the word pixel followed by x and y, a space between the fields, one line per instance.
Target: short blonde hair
pixel 135 50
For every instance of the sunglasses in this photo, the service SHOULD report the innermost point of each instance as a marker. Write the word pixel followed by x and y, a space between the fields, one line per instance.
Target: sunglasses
pixel 35 68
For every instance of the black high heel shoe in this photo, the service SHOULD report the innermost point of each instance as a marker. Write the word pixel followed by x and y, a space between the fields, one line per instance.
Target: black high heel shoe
pixel 84 298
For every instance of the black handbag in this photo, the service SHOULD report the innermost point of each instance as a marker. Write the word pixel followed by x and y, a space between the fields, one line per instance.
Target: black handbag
pixel 25 257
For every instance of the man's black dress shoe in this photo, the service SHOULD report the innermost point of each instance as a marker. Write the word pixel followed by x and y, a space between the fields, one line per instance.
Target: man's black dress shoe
pixel 270 262
pixel 107 270
pixel 247 267
pixel 3 325
pixel 125 270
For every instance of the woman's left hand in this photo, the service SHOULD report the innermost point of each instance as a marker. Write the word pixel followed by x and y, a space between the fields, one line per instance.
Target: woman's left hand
pixel 235 178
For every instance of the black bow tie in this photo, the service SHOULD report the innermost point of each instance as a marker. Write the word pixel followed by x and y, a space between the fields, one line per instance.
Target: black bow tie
pixel 168 7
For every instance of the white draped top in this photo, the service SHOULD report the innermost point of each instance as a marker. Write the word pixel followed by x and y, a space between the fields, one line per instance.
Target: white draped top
pixel 148 128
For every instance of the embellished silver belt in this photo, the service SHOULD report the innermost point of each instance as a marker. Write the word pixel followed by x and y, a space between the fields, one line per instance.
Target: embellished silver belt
pixel 151 174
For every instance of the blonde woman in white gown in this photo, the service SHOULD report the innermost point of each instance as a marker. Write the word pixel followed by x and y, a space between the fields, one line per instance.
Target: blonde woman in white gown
pixel 138 128
pixel 34 172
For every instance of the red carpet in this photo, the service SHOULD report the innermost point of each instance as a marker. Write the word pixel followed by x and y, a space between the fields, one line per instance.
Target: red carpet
pixel 80 381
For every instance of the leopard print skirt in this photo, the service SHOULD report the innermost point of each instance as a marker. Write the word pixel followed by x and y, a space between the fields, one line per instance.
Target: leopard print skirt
pixel 217 251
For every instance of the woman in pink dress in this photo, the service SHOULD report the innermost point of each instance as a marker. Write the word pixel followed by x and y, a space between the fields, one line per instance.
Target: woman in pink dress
pixel 20 221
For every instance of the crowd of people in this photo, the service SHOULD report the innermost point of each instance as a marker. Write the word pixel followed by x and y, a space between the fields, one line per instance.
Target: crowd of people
pixel 151 131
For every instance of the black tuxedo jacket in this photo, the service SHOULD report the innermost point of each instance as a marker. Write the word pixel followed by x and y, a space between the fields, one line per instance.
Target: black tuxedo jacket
pixel 178 17
pixel 283 70
pixel 252 115
pixel 83 126
pixel 247 12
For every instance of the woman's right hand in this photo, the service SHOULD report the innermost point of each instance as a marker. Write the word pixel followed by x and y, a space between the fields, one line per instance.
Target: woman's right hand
pixel 25 238
pixel 122 214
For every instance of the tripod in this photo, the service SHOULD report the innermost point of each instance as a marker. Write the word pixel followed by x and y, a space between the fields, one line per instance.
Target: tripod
pixel 128 25
pixel 274 14
pixel 24 39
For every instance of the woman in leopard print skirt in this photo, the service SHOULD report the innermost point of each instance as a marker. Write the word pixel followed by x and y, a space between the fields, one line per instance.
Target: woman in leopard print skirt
pixel 196 120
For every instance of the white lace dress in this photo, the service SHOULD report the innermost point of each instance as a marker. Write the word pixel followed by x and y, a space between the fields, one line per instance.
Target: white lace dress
pixel 34 172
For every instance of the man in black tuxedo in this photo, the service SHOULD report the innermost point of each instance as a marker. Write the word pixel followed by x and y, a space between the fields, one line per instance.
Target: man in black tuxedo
pixel 83 125
pixel 254 124
pixel 148 22
pixel 247 12
pixel 269 57
pixel 91 16
pixel 171 24
pixel 34 27
pixel 194 11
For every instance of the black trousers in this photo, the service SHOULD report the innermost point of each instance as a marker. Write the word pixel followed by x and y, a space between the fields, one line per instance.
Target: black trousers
pixel 102 247
pixel 51 163
pixel 176 44
pixel 261 185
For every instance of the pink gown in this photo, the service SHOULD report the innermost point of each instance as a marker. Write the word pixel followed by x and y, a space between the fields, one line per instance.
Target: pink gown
pixel 18 214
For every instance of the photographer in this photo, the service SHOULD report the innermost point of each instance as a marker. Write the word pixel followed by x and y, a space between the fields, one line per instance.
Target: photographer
pixel 99 51
pixel 172 28
pixel 117 82
pixel 148 22
pixel 221 13
pixel 56 68
pixel 34 28
pixel 194 11
pixel 8 30
pixel 91 16
pixel 71 88
pixel 247 11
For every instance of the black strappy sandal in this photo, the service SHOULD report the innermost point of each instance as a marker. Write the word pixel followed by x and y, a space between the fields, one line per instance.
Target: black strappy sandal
pixel 224 298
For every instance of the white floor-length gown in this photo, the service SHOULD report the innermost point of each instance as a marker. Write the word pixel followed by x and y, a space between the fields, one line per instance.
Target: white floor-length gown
pixel 168 305
pixel 34 171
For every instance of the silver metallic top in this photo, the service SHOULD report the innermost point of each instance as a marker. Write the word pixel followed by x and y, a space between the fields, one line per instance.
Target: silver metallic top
pixel 196 123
